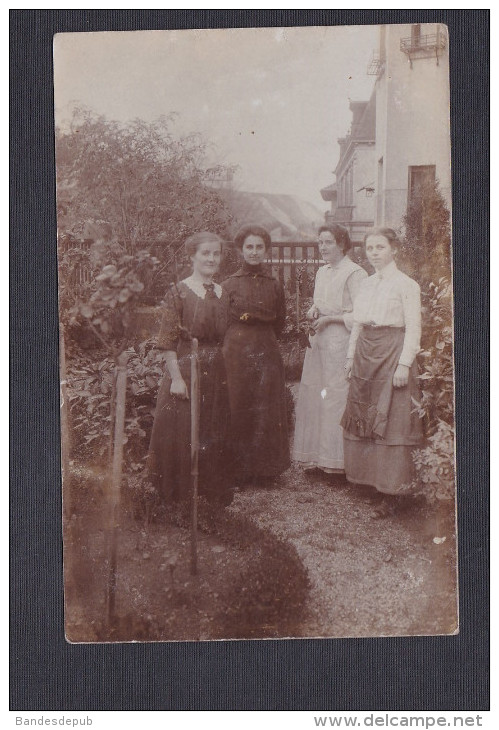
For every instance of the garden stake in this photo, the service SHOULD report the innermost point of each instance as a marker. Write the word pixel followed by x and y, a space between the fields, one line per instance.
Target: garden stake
pixel 297 289
pixel 121 376
pixel 195 402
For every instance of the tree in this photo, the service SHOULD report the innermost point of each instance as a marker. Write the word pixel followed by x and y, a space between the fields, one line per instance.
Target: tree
pixel 427 233
pixel 150 185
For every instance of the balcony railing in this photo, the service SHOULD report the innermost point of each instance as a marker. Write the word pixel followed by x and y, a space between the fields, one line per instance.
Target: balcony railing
pixel 423 46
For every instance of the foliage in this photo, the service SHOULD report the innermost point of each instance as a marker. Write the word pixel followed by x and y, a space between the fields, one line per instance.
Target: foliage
pixel 149 184
pixel 89 388
pixel 426 250
pixel 294 338
pixel 134 187
pixel 435 462
pixel 105 303
pixel 436 378
pixel 426 243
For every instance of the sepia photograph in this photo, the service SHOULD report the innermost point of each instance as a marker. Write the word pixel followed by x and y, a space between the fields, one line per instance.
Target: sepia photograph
pixel 256 333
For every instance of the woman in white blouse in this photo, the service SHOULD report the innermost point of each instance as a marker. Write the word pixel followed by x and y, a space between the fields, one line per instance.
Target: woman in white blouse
pixel 318 441
pixel 380 425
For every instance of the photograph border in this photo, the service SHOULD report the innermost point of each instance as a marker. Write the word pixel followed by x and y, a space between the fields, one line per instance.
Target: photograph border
pixel 409 673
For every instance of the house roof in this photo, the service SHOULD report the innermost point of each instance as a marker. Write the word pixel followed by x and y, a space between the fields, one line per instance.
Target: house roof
pixel 364 119
pixel 284 216
pixel 363 128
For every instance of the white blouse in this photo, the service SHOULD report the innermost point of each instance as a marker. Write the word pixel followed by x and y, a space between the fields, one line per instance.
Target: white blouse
pixel 336 288
pixel 389 298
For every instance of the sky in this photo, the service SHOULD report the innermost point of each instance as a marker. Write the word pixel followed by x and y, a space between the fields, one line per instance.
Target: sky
pixel 272 101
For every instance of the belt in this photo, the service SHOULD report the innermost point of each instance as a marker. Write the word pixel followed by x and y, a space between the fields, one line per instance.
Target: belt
pixel 382 327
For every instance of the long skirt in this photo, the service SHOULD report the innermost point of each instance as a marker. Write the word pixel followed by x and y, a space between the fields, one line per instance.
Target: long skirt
pixel 255 376
pixel 169 460
pixel 381 426
pixel 321 401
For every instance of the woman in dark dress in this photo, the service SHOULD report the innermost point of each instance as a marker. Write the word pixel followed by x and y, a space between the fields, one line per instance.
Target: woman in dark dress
pixel 196 307
pixel 255 372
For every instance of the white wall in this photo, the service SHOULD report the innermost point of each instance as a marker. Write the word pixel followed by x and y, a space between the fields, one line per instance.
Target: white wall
pixel 412 121
pixel 363 175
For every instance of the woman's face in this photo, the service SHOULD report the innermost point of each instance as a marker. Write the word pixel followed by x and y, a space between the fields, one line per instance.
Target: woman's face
pixel 329 250
pixel 379 251
pixel 206 260
pixel 253 250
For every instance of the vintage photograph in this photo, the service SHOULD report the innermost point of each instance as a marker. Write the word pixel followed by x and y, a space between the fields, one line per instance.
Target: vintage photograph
pixel 256 333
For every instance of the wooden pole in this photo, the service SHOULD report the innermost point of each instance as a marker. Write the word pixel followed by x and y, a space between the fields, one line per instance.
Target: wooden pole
pixel 297 289
pixel 195 406
pixel 114 502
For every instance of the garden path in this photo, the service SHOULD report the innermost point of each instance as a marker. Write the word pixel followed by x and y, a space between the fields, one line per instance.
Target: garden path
pixel 368 576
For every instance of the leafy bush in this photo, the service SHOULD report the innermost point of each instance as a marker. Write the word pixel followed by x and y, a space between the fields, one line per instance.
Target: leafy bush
pixel 435 462
pixel 89 389
pixel 104 304
pixel 426 251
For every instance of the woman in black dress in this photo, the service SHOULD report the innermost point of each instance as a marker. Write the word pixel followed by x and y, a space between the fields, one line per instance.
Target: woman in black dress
pixel 255 372
pixel 196 307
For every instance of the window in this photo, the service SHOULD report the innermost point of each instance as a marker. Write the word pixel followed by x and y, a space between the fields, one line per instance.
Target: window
pixel 419 176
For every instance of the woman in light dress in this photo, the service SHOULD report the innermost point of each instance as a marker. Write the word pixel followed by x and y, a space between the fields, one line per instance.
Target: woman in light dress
pixel 381 425
pixel 318 441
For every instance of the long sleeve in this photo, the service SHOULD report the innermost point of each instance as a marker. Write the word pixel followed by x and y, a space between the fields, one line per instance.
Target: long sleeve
pixel 170 322
pixel 354 336
pixel 411 303
pixel 350 292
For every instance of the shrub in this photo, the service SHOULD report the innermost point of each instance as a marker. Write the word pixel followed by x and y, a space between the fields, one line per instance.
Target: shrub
pixel 89 388
pixel 426 249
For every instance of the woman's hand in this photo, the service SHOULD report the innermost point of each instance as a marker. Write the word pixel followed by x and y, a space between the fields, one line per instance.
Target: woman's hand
pixel 178 389
pixel 320 323
pixel 348 368
pixel 401 376
pixel 313 312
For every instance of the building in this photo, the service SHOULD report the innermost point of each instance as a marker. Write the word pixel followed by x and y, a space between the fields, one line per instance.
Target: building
pixel 351 197
pixel 412 116
pixel 400 138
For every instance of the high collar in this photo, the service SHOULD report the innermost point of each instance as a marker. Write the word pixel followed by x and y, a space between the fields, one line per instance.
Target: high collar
pixel 248 270
pixel 389 270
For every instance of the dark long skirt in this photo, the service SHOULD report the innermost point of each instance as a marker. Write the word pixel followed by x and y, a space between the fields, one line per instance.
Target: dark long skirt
pixel 169 462
pixel 380 425
pixel 255 376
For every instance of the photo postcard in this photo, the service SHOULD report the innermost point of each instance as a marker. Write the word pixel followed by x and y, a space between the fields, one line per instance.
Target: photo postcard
pixel 256 333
